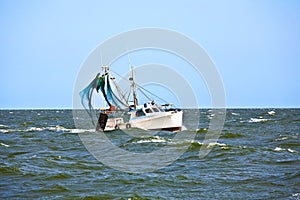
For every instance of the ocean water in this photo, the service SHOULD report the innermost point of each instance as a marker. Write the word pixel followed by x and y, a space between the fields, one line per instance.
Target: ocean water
pixel 256 157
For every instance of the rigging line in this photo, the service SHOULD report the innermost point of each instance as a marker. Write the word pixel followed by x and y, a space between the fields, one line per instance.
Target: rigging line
pixel 128 96
pixel 139 87
pixel 127 93
pixel 120 91
pixel 120 76
pixel 145 94
pixel 125 80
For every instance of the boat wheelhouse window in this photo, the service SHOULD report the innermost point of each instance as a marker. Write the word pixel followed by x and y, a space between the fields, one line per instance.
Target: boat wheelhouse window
pixel 161 110
pixel 148 110
pixel 155 109
pixel 139 113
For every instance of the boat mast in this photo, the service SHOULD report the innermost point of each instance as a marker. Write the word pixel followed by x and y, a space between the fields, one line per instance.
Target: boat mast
pixel 135 101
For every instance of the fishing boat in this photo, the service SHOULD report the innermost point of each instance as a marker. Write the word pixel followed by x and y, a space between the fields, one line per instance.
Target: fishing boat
pixel 148 115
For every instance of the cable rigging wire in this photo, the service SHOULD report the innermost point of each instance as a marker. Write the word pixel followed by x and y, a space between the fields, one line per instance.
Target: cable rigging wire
pixel 141 88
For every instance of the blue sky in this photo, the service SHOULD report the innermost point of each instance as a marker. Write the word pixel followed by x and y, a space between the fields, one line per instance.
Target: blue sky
pixel 255 45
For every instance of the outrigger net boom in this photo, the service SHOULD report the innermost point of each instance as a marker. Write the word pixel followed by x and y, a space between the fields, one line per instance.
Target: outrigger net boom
pixel 103 83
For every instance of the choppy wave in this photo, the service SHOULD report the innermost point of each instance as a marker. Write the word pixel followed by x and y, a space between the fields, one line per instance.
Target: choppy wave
pixel 296 196
pixel 282 138
pixel 5 145
pixel 229 135
pixel 252 157
pixel 58 129
pixel 202 130
pixel 279 149
pixel 9 169
pixel 193 144
pixel 153 139
pixel 272 112
pixel 283 149
pixel 3 126
pixel 58 176
pixel 257 120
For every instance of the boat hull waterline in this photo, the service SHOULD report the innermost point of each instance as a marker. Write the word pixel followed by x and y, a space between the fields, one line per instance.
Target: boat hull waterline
pixel 171 120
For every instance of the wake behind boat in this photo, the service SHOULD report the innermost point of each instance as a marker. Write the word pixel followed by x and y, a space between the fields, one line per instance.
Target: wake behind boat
pixel 147 116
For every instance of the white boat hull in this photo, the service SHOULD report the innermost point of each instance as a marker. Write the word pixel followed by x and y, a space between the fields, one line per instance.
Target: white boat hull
pixel 171 120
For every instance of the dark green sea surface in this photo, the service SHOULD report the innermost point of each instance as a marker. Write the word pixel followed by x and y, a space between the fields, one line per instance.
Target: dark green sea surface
pixel 256 157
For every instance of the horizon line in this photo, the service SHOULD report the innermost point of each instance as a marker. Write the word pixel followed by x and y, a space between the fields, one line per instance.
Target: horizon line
pixel 242 107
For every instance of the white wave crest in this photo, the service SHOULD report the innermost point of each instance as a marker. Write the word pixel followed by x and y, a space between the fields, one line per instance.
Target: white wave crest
pixel 279 149
pixel 3 126
pixel 296 195
pixel 81 130
pixel 4 131
pixel 256 120
pixel 282 149
pixel 291 150
pixel 282 138
pixel 212 144
pixel 271 112
pixel 32 129
pixel 2 144
pixel 155 139
pixel 58 129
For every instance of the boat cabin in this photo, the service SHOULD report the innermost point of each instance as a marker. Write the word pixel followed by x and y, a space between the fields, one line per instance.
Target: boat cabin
pixel 147 109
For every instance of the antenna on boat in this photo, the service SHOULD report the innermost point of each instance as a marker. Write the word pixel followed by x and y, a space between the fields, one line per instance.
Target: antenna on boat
pixel 129 62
